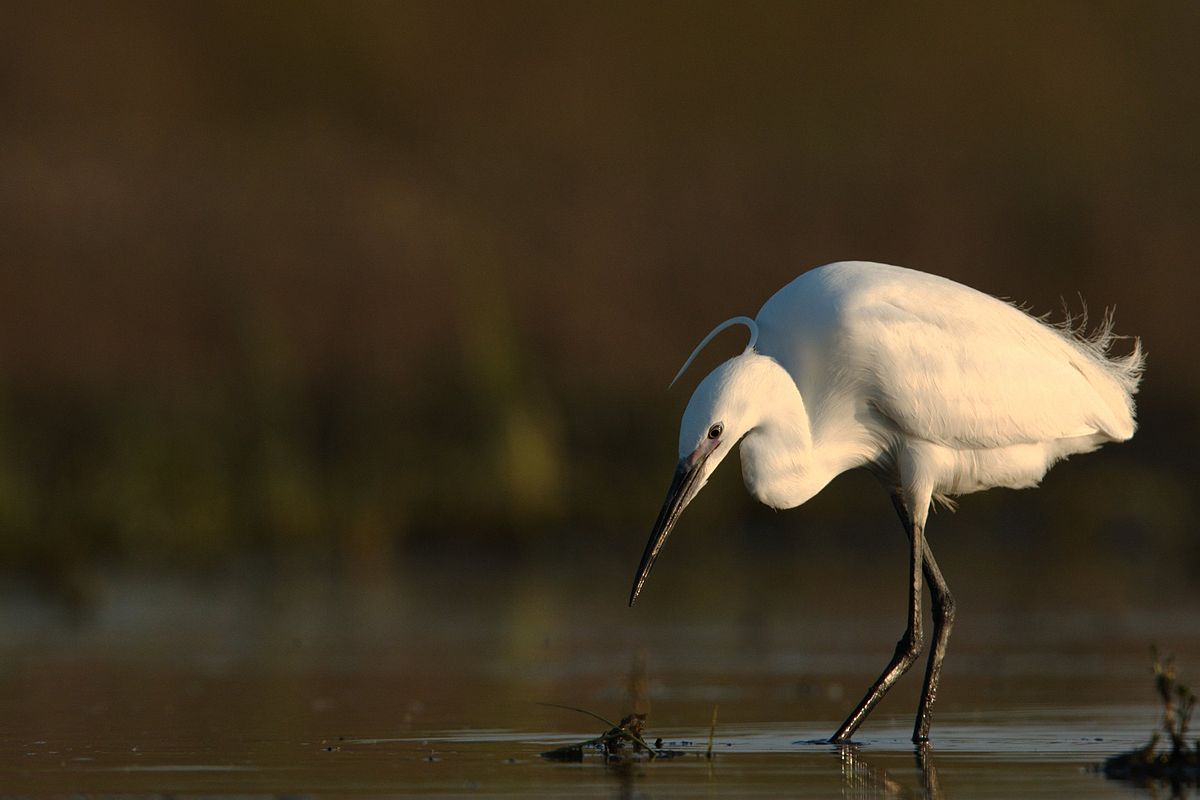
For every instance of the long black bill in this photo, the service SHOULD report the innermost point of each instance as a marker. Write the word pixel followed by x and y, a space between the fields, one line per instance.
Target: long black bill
pixel 683 488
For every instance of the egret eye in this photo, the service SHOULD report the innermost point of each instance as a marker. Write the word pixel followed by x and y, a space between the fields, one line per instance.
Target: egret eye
pixel 715 431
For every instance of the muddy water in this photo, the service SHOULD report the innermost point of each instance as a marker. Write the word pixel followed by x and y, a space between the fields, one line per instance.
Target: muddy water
pixel 428 683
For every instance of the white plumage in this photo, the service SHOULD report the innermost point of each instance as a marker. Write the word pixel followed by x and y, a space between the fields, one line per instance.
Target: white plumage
pixel 902 358
pixel 938 389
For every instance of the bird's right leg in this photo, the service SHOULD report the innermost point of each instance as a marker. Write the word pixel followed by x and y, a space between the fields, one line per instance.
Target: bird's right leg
pixel 910 644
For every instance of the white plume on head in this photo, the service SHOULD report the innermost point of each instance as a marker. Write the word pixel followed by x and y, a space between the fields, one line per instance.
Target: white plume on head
pixel 747 321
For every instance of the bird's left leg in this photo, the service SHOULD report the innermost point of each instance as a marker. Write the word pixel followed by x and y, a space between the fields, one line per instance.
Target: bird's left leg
pixel 910 644
pixel 943 621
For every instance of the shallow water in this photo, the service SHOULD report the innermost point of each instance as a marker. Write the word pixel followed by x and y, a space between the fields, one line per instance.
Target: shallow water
pixel 428 683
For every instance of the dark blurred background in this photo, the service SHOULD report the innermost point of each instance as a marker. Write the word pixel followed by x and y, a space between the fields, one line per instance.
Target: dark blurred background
pixel 364 284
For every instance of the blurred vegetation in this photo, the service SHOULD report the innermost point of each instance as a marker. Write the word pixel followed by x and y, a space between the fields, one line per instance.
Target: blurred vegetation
pixel 357 281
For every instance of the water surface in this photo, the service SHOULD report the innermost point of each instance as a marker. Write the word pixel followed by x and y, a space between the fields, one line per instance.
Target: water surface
pixel 428 683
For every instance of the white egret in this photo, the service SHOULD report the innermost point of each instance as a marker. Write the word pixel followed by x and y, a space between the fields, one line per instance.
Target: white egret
pixel 936 388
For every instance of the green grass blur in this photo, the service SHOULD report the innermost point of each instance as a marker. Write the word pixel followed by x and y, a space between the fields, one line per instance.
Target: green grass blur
pixel 364 281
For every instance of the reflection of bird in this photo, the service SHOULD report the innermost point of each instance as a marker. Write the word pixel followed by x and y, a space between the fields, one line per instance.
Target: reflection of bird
pixel 936 388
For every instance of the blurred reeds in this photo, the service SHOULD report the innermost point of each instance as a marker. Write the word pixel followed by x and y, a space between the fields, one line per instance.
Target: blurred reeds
pixel 363 280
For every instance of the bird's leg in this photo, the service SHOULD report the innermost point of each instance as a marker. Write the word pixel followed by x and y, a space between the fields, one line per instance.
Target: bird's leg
pixel 907 649
pixel 943 621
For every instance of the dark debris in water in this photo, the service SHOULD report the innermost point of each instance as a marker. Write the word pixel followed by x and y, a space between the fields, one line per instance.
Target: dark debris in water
pixel 622 742
pixel 1148 763
pixel 1179 764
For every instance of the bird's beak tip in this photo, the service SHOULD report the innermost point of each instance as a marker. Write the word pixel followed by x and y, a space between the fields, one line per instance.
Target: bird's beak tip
pixel 683 487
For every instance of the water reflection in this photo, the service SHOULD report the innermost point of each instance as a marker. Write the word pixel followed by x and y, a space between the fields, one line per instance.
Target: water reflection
pixel 269 678
pixel 626 775
pixel 862 779
pixel 929 775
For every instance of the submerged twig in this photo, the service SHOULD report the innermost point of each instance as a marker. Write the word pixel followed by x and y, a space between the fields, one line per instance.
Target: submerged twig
pixel 625 729
pixel 712 732
pixel 1182 763
pixel 1178 701
pixel 613 742
pixel 591 714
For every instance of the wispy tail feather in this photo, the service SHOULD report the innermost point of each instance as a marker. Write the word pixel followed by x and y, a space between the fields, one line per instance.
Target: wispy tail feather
pixel 1123 372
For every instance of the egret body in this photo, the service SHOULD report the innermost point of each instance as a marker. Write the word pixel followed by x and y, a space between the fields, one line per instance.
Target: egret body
pixel 936 388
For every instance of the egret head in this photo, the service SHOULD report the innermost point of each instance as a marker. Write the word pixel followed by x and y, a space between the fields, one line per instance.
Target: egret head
pixel 725 406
